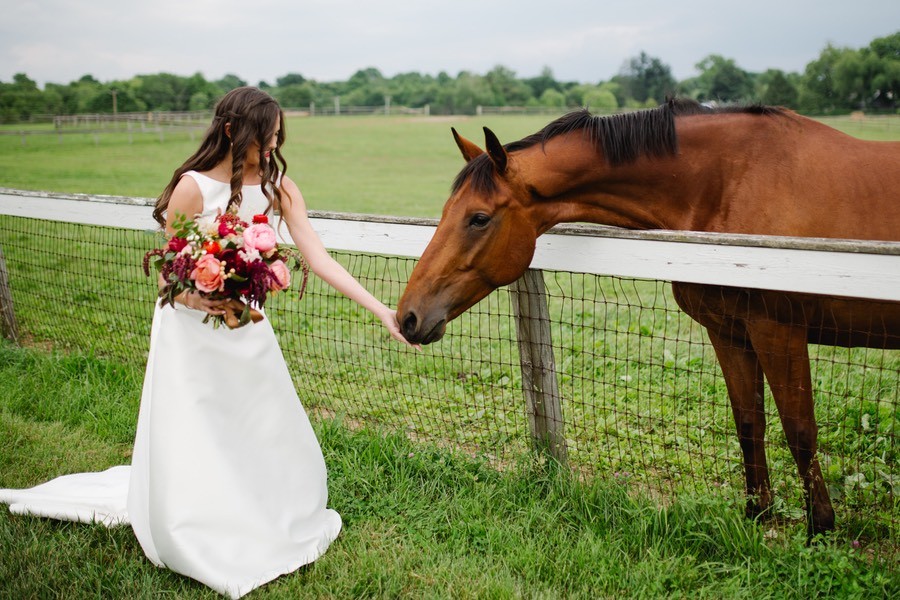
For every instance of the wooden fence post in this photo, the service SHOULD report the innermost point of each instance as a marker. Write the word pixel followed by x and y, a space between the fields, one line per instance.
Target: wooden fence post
pixel 8 327
pixel 529 301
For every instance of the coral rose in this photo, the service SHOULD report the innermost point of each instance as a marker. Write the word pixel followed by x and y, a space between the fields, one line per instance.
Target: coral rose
pixel 281 276
pixel 207 274
pixel 260 236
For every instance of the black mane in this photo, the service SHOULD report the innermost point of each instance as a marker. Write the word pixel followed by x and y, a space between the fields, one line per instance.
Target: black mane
pixel 622 138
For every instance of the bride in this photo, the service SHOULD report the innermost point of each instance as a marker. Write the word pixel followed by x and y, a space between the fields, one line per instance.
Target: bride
pixel 227 483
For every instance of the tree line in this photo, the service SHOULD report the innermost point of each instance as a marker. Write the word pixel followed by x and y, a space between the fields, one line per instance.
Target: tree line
pixel 839 80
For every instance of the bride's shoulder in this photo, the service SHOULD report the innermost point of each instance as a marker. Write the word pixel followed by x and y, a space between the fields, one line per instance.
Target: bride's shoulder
pixel 187 197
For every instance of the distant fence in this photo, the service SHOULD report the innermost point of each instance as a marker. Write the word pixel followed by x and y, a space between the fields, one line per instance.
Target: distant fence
pixel 130 120
pixel 588 350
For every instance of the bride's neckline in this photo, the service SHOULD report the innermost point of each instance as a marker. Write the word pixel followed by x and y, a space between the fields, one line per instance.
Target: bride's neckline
pixel 211 178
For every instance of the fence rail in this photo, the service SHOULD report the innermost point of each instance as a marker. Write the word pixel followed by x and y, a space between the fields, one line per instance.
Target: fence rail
pixel 613 377
pixel 853 268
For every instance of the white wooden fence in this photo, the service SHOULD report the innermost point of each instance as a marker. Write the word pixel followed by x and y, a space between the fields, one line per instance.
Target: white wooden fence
pixel 860 269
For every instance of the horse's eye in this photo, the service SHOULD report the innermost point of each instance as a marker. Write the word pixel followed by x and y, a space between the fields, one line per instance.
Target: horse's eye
pixel 479 220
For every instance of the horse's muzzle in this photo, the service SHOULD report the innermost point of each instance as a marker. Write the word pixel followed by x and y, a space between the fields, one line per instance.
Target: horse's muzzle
pixel 419 331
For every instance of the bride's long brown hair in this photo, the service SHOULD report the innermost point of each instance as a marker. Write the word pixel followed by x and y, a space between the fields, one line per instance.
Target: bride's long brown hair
pixel 253 115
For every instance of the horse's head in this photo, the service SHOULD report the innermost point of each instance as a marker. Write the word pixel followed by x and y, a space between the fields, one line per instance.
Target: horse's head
pixel 485 239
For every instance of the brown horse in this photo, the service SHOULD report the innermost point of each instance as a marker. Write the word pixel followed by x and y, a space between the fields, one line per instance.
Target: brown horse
pixel 753 170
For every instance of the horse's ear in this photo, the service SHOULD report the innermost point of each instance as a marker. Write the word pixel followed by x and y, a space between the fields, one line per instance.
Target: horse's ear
pixel 495 150
pixel 468 149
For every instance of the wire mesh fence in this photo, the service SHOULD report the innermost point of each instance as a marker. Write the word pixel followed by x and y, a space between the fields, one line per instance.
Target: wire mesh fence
pixel 643 400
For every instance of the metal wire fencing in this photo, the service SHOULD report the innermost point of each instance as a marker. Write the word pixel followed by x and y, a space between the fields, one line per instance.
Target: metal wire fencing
pixel 642 398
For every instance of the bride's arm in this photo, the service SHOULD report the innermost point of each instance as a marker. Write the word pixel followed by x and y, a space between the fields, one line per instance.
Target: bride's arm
pixel 293 210
pixel 187 200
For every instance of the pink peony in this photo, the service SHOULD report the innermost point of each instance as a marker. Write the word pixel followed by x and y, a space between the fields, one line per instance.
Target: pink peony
pixel 259 236
pixel 281 276
pixel 208 274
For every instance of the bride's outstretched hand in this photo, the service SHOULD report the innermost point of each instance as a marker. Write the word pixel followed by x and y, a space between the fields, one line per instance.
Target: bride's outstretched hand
pixel 389 318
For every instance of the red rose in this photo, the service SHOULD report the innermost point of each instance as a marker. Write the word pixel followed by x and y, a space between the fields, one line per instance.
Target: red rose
pixel 260 219
pixel 212 247
pixel 225 228
pixel 176 244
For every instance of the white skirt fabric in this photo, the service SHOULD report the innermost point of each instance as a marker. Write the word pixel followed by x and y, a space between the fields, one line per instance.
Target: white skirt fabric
pixel 227 483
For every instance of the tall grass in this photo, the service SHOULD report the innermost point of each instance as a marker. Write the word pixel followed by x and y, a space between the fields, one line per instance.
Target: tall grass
pixel 420 522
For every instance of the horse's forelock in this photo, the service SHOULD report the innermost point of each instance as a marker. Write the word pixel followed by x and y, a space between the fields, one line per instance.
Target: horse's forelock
pixel 479 172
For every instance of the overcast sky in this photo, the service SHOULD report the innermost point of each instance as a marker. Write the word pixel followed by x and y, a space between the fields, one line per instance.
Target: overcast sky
pixel 328 40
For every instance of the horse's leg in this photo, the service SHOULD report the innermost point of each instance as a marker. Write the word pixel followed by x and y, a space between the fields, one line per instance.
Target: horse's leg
pixel 784 354
pixel 744 380
pixel 715 308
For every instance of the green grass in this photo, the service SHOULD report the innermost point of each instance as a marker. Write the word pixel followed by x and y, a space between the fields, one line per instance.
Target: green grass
pixel 374 165
pixel 420 522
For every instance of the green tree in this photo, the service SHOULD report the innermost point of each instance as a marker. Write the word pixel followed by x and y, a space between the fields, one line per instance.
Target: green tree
pixel 817 92
pixel 413 89
pixel 114 96
pixel 229 82
pixel 507 90
pixel 601 100
pixel 722 80
pixel 20 99
pixel 366 87
pixel 777 89
pixel 550 98
pixel 597 98
pixel 645 79
pixel 464 94
pixel 295 95
pixel 541 83
pixel 868 77
pixel 885 91
pixel 290 79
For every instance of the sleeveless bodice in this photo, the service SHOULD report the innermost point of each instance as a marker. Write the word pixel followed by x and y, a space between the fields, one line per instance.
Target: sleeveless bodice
pixel 216 194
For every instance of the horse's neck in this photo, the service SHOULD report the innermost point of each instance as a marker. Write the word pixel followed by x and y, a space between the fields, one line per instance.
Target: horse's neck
pixel 733 173
pixel 577 186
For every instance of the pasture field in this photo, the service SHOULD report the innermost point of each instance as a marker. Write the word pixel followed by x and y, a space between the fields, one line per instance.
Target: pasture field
pixel 400 166
pixel 423 520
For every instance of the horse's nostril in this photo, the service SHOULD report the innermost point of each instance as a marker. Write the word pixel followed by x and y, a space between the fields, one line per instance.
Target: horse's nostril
pixel 409 323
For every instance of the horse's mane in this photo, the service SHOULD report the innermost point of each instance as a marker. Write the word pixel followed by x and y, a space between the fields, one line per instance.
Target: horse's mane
pixel 622 138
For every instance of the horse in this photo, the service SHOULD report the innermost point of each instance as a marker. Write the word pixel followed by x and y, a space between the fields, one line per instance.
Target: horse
pixel 749 169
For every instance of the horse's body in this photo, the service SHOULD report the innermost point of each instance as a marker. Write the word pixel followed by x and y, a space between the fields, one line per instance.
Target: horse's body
pixel 753 170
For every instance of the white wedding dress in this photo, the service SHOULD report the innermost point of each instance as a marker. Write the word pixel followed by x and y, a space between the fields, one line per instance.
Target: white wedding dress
pixel 227 483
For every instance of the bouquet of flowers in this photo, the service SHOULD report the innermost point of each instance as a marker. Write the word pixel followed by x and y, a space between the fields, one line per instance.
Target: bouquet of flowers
pixel 223 257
